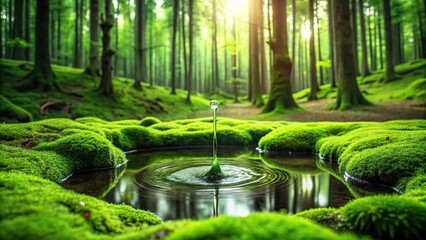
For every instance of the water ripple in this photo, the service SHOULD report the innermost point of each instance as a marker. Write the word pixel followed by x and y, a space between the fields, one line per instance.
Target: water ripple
pixel 169 178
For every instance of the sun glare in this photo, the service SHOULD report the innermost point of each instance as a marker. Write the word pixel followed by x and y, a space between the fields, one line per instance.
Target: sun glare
pixel 306 32
pixel 235 6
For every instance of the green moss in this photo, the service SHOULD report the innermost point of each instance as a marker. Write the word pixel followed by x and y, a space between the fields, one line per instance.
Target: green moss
pixel 415 91
pixel 10 112
pixel 163 126
pixel 292 164
pixel 292 138
pixel 255 226
pixel 148 121
pixel 33 208
pixel 387 217
pixel 256 130
pixel 85 150
pixel 329 217
pixel 138 137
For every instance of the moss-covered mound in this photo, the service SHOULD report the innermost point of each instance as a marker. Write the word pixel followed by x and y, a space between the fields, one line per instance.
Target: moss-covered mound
pixel 387 153
pixel 34 208
pixel 10 112
pixel 387 217
pixel 256 226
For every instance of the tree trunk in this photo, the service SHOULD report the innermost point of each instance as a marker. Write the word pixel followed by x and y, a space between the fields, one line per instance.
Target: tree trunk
pixel 255 7
pixel 138 44
pixel 80 39
pixel 173 60
pixel 355 33
pixel 191 38
pixel 280 95
pixel 331 43
pixel 312 57
pixel 185 62
pixel 107 53
pixel 421 17
pixel 93 68
pixel 18 30
pixel 234 61
pixel 215 58
pixel 364 58
pixel 263 75
pixel 390 71
pixel 116 41
pixel 58 33
pixel 77 58
pixel 1 30
pixel 293 47
pixel 52 36
pixel 348 93
pixel 27 29
pixel 42 76
pixel 379 26
pixel 319 45
pixel 9 32
pixel 151 52
pixel 370 43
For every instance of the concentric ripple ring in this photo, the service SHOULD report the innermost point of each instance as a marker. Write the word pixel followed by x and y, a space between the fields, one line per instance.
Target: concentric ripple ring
pixel 186 177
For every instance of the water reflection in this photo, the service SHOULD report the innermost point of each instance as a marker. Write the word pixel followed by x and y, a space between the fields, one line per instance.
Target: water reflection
pixel 305 186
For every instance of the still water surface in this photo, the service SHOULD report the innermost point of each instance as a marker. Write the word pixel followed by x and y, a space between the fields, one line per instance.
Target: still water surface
pixel 163 182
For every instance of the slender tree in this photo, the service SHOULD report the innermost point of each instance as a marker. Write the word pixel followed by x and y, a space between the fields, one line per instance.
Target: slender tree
pixel 93 68
pixel 42 76
pixel 321 75
pixel 348 93
pixel 1 30
pixel 355 33
pixel 215 54
pixel 293 45
pixel 27 29
pixel 185 62
pixel 280 95
pixel 255 7
pixel 331 43
pixel 263 79
pixel 390 71
pixel 139 45
pixel 173 56
pixel 312 57
pixel 18 30
pixel 364 57
pixel 191 39
pixel 77 57
pixel 106 86
pixel 58 33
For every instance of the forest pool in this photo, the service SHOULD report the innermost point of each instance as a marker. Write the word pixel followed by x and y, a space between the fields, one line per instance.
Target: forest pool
pixel 288 183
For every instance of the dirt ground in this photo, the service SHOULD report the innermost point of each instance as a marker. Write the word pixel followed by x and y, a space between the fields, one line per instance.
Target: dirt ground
pixel 318 111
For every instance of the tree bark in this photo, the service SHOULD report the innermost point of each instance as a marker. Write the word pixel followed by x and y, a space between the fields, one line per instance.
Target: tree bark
pixel 173 57
pixel 191 38
pixel 331 43
pixel 364 58
pixel 185 62
pixel 371 47
pixel 42 76
pixel 58 33
pixel 106 86
pixel 293 47
pixel 18 30
pixel 215 58
pixel 379 26
pixel 234 62
pixel 321 75
pixel 27 29
pixel 77 57
pixel 263 75
pixel 255 7
pixel 348 93
pixel 390 71
pixel 280 95
pixel 1 30
pixel 93 68
pixel 312 57
pixel 9 32
pixel 116 40
pixel 355 33
pixel 139 60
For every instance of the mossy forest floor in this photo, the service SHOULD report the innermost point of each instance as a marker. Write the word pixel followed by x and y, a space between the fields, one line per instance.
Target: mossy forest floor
pixel 36 156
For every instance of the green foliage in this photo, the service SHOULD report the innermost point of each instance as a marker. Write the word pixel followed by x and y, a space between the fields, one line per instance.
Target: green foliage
pixel 255 226
pixel 148 121
pixel 34 208
pixel 10 112
pixel 387 217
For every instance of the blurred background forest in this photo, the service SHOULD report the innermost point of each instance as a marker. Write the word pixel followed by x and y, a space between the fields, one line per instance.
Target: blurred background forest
pixel 207 49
